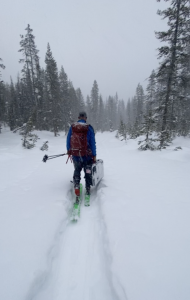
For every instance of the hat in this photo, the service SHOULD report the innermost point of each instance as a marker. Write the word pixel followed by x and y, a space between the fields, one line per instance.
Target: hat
pixel 82 114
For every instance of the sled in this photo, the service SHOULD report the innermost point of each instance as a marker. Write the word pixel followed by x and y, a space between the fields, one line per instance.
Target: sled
pixel 97 172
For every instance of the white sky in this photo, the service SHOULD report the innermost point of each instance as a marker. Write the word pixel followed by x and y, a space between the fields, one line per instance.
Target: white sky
pixel 112 41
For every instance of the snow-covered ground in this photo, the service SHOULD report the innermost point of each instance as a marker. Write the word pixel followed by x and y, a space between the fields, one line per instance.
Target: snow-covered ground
pixel 133 242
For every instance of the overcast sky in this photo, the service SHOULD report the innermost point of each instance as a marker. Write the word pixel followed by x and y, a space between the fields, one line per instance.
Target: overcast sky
pixel 111 41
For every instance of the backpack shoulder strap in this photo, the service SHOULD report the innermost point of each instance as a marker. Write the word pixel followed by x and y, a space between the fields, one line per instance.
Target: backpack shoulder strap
pixel 91 127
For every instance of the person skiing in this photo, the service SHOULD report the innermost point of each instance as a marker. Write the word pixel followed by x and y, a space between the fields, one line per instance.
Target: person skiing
pixel 81 145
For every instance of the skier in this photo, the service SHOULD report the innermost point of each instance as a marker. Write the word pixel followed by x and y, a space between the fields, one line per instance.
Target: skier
pixel 81 145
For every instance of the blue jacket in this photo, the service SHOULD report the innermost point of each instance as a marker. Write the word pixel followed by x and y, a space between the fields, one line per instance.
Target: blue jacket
pixel 90 141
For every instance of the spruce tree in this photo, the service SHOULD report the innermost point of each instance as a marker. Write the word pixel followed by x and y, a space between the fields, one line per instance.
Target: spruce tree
pixel 64 98
pixel 150 117
pixel 19 103
pixel 80 99
pixel 13 108
pixel 139 108
pixel 172 54
pixel 94 105
pixel 53 91
pixel 147 129
pixel 121 112
pixel 30 72
pixel 2 98
pixel 101 115
pixel 106 117
pixel 183 101
pixel 129 117
pixel 122 134
pixel 89 109
pixel 73 103
pixel 112 113
pixel 29 138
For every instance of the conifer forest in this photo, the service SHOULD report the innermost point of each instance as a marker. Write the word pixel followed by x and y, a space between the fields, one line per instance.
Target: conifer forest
pixel 45 98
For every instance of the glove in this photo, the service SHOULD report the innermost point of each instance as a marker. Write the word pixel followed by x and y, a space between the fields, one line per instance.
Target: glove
pixel 94 159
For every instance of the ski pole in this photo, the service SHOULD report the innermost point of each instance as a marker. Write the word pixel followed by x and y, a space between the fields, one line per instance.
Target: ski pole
pixel 46 157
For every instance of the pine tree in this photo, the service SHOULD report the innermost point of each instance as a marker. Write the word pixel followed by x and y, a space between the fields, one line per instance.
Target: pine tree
pixel 53 91
pixel 41 100
pixel 122 134
pixel 94 105
pixel 80 99
pixel 101 115
pixel 121 112
pixel 135 130
pixel 19 103
pixel 88 109
pixel 73 103
pixel 150 117
pixel 129 117
pixel 64 98
pixel 112 113
pixel 106 117
pixel 182 111
pixel 30 72
pixel 29 139
pixel 137 110
pixel 2 98
pixel 173 54
pixel 13 108
pixel 147 129
pixel 139 107
pixel 46 105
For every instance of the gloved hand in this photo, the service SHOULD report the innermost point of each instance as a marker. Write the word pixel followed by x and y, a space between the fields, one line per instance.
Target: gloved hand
pixel 94 159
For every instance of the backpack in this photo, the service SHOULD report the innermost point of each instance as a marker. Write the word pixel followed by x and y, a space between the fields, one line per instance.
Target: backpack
pixel 78 143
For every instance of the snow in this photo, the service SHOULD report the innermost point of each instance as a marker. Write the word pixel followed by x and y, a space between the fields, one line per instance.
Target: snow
pixel 133 242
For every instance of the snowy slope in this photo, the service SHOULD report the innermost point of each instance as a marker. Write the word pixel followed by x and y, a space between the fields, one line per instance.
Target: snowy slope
pixel 133 242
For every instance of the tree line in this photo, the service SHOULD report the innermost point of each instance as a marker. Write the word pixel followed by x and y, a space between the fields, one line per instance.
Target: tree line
pixel 45 99
pixel 46 95
pixel 164 111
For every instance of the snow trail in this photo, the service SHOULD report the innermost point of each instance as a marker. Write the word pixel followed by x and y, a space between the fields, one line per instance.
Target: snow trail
pixel 82 269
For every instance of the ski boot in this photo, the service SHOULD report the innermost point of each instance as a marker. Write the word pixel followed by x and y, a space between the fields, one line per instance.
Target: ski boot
pixel 77 190
pixel 76 207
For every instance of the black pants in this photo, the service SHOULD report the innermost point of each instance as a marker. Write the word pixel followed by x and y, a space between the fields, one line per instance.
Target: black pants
pixel 87 166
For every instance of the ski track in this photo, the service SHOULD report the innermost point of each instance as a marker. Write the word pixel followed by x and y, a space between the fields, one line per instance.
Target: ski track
pixel 43 278
pixel 78 262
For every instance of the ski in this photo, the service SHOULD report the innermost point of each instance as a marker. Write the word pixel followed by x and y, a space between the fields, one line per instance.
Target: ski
pixel 76 206
pixel 87 200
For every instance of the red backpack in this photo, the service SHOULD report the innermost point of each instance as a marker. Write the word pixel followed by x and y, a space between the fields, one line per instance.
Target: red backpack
pixel 79 146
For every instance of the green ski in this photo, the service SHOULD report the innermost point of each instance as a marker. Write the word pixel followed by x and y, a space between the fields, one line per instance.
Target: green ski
pixel 87 200
pixel 76 206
